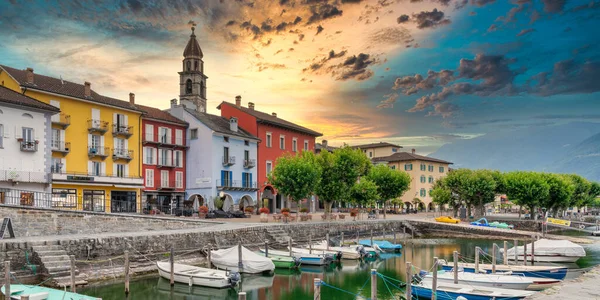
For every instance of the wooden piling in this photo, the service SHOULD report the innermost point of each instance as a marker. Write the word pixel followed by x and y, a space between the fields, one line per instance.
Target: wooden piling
pixel 494 246
pixel 317 283
pixel 532 250
pixel 358 237
pixel 309 244
pixel 242 296
pixel 327 241
pixel 342 239
pixel 477 249
pixel 394 231
pixel 505 255
pixel 209 256
pixel 172 263
pixel 240 261
pixel 455 268
pixel 371 237
pixel 126 269
pixel 373 284
pixel 73 288
pixel 434 282
pixel 516 245
pixel 408 280
pixel 266 248
pixel 24 297
pixel 525 253
pixel 404 233
pixel 7 278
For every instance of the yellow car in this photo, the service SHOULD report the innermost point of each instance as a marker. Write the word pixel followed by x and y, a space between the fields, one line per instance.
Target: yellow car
pixel 447 219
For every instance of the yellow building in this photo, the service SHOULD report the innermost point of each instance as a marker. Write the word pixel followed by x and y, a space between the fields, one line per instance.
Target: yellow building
pixel 423 171
pixel 381 149
pixel 95 143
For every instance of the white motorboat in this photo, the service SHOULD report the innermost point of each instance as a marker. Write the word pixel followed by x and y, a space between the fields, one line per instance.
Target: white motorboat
pixel 347 252
pixel 252 263
pixel 553 272
pixel 454 291
pixel 193 275
pixel 487 280
pixel 305 259
pixel 548 251
pixel 336 255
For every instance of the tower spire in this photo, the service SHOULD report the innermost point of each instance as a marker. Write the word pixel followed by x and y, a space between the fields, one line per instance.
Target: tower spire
pixel 192 78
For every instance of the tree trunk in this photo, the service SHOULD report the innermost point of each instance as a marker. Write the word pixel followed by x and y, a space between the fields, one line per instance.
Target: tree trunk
pixel 384 209
pixel 328 205
pixel 455 211
pixel 520 208
pixel 468 211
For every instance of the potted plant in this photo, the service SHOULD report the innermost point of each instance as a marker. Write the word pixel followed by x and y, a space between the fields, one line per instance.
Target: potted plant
pixel 264 214
pixel 285 211
pixel 354 213
pixel 304 210
pixel 202 211
pixel 249 210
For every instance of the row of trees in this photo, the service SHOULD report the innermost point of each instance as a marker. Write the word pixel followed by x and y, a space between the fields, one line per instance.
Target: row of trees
pixel 533 190
pixel 346 175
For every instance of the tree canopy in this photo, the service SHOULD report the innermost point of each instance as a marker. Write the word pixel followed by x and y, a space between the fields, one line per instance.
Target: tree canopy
pixel 390 183
pixel 528 189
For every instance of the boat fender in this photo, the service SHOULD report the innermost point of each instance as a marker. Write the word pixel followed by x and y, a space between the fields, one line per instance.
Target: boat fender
pixel 191 281
pixel 461 298
pixel 581 226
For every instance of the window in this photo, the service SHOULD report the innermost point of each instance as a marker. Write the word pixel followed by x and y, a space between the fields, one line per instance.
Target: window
pixel 430 168
pixel 57 165
pixel 122 201
pixel 305 145
pixel 193 133
pixel 179 137
pixel 165 157
pixel 282 142
pixel 188 65
pixel 179 180
pixel 64 198
pixel 120 171
pixel 246 155
pixel 408 167
pixel 188 87
pixel 96 168
pixel 97 143
pixel 195 65
pixel 148 156
pixel 226 139
pixel 394 150
pixel 370 154
pixel 247 180
pixel 149 134
pixel 225 154
pixel 423 180
pixel 149 178
pixel 93 200
pixel 164 178
pixel 164 135
pixel 269 167
pixel 423 167
pixel 441 169
pixel 246 143
pixel 226 178
pixel 121 146
pixel 28 134
pixel 295 144
pixel 178 159
pixel 269 142
pixel 393 167
pixel 423 193
pixel 120 122
pixel 1 135
pixel 430 179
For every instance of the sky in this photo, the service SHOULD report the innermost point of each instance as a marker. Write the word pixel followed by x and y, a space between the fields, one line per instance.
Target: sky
pixel 419 73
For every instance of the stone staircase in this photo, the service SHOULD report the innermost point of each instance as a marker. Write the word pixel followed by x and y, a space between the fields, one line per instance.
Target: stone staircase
pixel 56 264
pixel 278 235
pixel 411 229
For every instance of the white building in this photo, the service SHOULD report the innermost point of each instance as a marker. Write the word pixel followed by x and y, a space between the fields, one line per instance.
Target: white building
pixel 25 155
pixel 221 159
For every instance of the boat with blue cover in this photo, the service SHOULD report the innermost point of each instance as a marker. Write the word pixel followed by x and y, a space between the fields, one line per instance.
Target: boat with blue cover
pixel 383 245
pixel 451 291
pixel 554 272
pixel 35 292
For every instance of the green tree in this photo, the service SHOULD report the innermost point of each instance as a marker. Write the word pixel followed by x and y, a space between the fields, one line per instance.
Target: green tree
pixel 364 193
pixel 442 195
pixel 527 189
pixel 390 183
pixel 296 176
pixel 581 191
pixel 453 183
pixel 478 188
pixel 560 192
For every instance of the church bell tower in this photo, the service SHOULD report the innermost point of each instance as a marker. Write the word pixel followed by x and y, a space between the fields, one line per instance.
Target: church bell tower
pixel 192 81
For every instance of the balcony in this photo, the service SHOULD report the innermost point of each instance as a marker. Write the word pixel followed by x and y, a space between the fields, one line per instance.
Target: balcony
pixel 167 185
pixel 59 175
pixel 163 141
pixel 164 163
pixel 62 120
pixel 101 152
pixel 60 147
pixel 124 154
pixel 58 169
pixel 15 176
pixel 228 161
pixel 237 185
pixel 28 146
pixel 97 126
pixel 249 163
pixel 122 130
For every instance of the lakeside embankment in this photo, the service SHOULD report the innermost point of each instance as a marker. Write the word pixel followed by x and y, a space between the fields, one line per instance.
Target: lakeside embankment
pixel 582 287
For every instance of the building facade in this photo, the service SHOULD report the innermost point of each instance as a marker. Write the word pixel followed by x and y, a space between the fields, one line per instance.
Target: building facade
pixel 277 138
pixel 95 143
pixel 423 171
pixel 163 161
pixel 323 146
pixel 381 149
pixel 25 129
pixel 221 160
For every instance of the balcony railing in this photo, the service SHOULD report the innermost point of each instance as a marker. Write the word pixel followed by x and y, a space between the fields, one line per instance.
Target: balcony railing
pixel 249 163
pixel 165 163
pixel 62 120
pixel 163 140
pixel 125 154
pixel 236 185
pixel 29 146
pixel 98 126
pixel 228 160
pixel 60 146
pixel 24 176
pixel 167 185
pixel 122 130
pixel 101 152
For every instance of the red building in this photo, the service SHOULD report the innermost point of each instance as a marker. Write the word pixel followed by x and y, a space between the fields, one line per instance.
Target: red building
pixel 277 137
pixel 163 162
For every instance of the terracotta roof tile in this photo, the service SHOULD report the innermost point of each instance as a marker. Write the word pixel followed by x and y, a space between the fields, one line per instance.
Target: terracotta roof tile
pixel 405 156
pixel 376 145
pixel 157 114
pixel 219 124
pixel 11 97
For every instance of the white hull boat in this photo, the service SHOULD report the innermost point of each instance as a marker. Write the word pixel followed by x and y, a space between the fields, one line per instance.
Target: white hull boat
pixel 347 252
pixel 554 259
pixel 316 252
pixel 193 275
pixel 487 280
pixel 305 259
pixel 252 263
pixel 552 272
pixel 453 291
pixel 548 251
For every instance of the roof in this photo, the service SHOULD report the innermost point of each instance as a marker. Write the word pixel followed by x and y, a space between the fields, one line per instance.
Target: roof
pixel 376 145
pixel 63 87
pixel 405 156
pixel 157 114
pixel 265 118
pixel 192 48
pixel 320 147
pixel 219 124
pixel 11 97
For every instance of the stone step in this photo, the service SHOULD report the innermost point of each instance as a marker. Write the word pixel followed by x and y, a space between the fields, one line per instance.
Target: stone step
pixel 47 248
pixel 58 269
pixel 65 281
pixel 41 243
pixel 60 263
pixel 51 253
pixel 54 258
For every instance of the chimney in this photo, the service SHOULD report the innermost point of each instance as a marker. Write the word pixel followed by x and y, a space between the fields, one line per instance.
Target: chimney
pixel 324 143
pixel 132 98
pixel 233 124
pixel 274 114
pixel 251 105
pixel 413 151
pixel 238 101
pixel 173 103
pixel 30 75
pixel 87 92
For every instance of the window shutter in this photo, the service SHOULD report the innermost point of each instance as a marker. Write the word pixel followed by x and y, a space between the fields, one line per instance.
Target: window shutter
pixel 160 157
pixel 6 132
pixel 62 136
pixel 170 157
pixel 103 168
pixel 115 118
pixel 89 140
pixel 90 168
pixel 125 145
pixel 230 177
pixel 115 170
pixel 169 140
pixel 102 141
pixel 179 137
pixel 250 180
pixel 154 156
pixel 126 170
pixel 18 132
pixel 126 118
pixel 243 179
pixel 116 143
pixel 222 178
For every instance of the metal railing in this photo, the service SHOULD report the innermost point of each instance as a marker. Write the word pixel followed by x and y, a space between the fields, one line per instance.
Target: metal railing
pixel 97 126
pixel 123 206
pixel 170 184
pixel 242 184
pixel 122 130
pixel 29 146
pixel 163 140
pixel 164 162
pixel 120 153
pixel 61 119
pixel 249 163
pixel 60 146
pixel 56 169
pixel 228 160
pixel 24 176
pixel 98 151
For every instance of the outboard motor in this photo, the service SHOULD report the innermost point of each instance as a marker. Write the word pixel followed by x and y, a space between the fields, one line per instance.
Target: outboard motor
pixel 234 278
pixel 296 261
pixel 417 278
pixel 339 256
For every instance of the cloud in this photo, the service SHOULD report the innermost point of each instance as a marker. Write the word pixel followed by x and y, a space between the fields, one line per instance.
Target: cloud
pixel 482 2
pixel 389 101
pixel 554 6
pixel 577 117
pixel 402 19
pixel 412 84
pixel 323 12
pixel 535 15
pixel 492 28
pixel 568 77
pixel 444 109
pixel 450 124
pixel 430 19
pixel 391 36
pixel 354 67
pixel 525 31
pixel 319 29
pixel 265 65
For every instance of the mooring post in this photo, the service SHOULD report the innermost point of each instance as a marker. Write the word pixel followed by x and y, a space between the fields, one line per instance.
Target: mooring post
pixel 525 253
pixel 371 237
pixel 309 244
pixel 242 296
pixel 434 283
pixel 412 233
pixel 358 237
pixel 394 231
pixel 266 248
pixel 7 278
pixel 505 255
pixel 494 258
pixel 342 239
pixel 290 245
pixel 455 268
pixel 172 263
pixel 240 262
pixel 73 288
pixel 209 258
pixel 327 241
pixel 126 269
pixel 532 250
pixel 317 283
pixel 373 284
pixel 477 260
pixel 408 280
pixel 515 246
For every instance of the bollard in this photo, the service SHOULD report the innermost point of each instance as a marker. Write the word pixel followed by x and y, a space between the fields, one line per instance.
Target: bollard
pixel 342 239
pixel 455 268
pixel 240 261
pixel 266 248
pixel 371 237
pixel 412 233
pixel 373 284
pixel 408 280
pixel 73 288
pixel 172 263
pixel 317 283
pixel 532 250
pixel 126 269
pixel 525 253
pixel 516 245
pixel 327 241
pixel 505 255
pixel 242 296
pixel 494 258
pixel 477 260
pixel 403 233
pixel 7 278
pixel 434 281
pixel 209 258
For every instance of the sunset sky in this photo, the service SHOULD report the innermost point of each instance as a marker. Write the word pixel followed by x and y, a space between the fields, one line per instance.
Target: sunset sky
pixel 419 73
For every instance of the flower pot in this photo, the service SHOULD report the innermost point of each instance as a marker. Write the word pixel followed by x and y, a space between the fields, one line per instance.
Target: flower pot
pixel 264 218
pixel 202 215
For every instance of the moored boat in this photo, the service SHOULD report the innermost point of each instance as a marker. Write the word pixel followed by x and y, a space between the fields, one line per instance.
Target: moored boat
pixel 385 246
pixel 252 263
pixel 193 275
pixel 353 252
pixel 548 251
pixel 35 292
pixel 281 261
pixel 446 291
pixel 336 255
pixel 487 280
pixel 553 272
pixel 304 259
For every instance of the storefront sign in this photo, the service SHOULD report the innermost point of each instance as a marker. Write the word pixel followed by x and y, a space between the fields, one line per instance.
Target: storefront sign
pixel 79 178
pixel 559 222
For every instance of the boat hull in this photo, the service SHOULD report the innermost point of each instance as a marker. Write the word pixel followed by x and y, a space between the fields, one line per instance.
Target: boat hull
pixel 425 293
pixel 52 294
pixel 191 279
pixel 494 284
pixel 554 273
pixel 543 258
pixel 385 246
pixel 305 259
